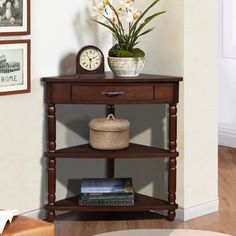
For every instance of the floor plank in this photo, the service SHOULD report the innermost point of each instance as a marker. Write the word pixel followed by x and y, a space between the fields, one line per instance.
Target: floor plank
pixel 223 221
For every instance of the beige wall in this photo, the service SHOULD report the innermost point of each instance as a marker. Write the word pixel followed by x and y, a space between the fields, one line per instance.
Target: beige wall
pixel 200 101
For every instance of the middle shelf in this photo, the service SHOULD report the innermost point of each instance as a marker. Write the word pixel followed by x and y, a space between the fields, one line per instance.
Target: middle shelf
pixel 133 151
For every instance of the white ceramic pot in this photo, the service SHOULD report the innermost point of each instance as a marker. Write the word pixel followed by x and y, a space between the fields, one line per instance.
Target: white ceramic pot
pixel 126 66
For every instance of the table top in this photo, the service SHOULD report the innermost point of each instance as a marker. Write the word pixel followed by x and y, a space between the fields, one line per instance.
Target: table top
pixel 110 77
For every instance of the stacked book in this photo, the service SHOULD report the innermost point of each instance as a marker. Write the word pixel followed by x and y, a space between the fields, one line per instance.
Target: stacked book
pixel 107 192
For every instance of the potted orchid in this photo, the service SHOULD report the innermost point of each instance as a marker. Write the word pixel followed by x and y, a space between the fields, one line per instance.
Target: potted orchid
pixel 127 25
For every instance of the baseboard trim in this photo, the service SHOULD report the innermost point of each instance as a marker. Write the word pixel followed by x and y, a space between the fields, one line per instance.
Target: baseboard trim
pixel 202 209
pixel 227 137
pixel 40 214
pixel 36 214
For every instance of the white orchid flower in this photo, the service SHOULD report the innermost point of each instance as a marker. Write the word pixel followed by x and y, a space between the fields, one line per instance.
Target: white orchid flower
pixel 127 3
pixel 99 9
pixel 133 16
pixel 114 20
pixel 121 11
pixel 105 2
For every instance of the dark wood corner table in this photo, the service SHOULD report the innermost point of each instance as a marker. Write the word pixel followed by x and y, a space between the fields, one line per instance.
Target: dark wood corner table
pixel 111 90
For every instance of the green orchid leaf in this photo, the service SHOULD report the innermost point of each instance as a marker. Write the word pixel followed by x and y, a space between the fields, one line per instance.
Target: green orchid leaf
pixel 107 26
pixel 136 43
pixel 146 21
pixel 114 31
pixel 146 32
pixel 142 15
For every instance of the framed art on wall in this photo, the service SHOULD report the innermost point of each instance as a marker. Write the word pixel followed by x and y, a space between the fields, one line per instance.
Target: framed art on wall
pixel 14 17
pixel 14 66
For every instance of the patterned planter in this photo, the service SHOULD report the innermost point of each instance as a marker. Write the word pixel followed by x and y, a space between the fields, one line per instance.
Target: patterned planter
pixel 126 66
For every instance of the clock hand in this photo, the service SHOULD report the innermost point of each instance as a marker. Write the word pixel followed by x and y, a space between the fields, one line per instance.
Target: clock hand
pixel 93 57
pixel 88 56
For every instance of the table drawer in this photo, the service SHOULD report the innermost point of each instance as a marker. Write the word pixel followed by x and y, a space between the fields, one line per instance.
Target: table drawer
pixel 164 93
pixel 112 93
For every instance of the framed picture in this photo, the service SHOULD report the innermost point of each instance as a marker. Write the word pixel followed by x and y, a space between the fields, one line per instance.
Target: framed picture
pixel 14 67
pixel 14 17
pixel 229 28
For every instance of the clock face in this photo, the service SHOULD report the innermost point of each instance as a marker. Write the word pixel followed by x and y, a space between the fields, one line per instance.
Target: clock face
pixel 90 59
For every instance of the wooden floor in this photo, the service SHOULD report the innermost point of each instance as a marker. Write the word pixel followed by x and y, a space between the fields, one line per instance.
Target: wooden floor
pixel 223 221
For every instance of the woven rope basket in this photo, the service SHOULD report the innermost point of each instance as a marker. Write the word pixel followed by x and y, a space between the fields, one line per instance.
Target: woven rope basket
pixel 109 133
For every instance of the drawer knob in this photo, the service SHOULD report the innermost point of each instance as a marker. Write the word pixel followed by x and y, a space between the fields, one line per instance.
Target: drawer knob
pixel 113 94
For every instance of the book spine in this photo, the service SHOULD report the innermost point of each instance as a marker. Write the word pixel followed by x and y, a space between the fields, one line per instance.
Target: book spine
pixel 102 190
pixel 108 197
pixel 107 194
pixel 106 202
pixel 106 185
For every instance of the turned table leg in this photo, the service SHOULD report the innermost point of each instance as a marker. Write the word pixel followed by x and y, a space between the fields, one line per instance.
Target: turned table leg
pixel 110 168
pixel 51 161
pixel 172 161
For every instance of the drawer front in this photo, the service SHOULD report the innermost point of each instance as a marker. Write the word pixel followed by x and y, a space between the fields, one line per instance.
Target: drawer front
pixel 113 93
pixel 164 93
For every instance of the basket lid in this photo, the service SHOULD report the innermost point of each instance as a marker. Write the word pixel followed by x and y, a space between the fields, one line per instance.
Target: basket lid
pixel 109 124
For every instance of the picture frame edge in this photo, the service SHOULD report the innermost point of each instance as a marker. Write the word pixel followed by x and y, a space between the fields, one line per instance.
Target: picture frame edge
pixel 28 27
pixel 28 43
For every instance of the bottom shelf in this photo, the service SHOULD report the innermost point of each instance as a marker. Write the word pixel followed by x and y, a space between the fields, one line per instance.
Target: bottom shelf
pixel 109 216
pixel 142 203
